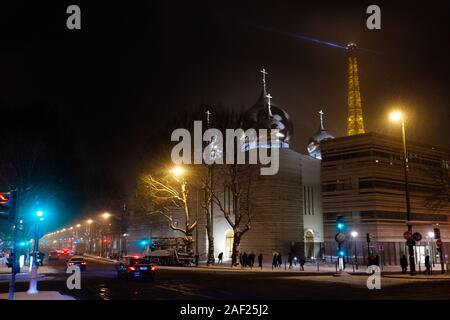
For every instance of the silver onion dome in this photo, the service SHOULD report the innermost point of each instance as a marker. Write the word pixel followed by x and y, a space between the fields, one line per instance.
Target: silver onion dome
pixel 317 138
pixel 264 114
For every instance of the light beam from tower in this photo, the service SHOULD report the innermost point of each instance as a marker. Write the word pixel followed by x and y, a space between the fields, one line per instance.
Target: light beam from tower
pixel 355 122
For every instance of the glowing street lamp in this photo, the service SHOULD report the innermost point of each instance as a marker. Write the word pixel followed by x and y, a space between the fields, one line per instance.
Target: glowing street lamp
pixel 399 116
pixel 396 115
pixel 78 225
pixel 178 171
pixel 106 215
pixel 90 221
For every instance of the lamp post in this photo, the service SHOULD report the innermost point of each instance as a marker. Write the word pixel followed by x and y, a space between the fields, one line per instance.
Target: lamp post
pixel 398 116
pixel 354 234
pixel 89 222
pixel 106 244
pixel 430 245
pixel 120 220
pixel 34 269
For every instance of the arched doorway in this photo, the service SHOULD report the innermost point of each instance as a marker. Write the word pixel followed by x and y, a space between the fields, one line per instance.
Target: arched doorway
pixel 229 235
pixel 309 243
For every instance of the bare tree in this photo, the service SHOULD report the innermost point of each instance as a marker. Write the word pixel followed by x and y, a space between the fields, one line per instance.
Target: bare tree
pixel 234 201
pixel 169 194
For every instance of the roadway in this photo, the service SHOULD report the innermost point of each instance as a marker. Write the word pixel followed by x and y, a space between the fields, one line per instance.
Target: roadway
pixel 99 282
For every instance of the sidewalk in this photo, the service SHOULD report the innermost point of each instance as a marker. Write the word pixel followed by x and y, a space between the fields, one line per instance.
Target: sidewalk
pixel 5 273
pixel 437 275
pixel 309 268
pixel 42 295
pixel 97 258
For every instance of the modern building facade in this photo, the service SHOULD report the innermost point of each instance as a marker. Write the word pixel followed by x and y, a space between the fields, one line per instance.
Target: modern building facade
pixel 363 181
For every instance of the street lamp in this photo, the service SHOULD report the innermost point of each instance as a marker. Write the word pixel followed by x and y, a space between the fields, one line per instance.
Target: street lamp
pixel 178 171
pixel 398 116
pixel 33 278
pixel 89 222
pixel 430 245
pixel 106 215
pixel 354 234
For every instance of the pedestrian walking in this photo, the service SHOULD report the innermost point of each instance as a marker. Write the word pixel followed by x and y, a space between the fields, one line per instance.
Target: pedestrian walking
pixel 404 263
pixel 279 261
pixel 290 260
pixel 260 260
pixel 302 263
pixel 244 259
pixel 427 265
pixel 251 259
pixel 197 257
pixel 275 260
pixel 220 257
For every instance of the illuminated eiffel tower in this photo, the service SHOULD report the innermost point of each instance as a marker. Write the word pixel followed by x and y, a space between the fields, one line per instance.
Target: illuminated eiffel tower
pixel 355 122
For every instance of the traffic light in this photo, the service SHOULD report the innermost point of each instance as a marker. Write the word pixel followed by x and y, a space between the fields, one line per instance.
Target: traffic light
pixel 340 223
pixel 8 205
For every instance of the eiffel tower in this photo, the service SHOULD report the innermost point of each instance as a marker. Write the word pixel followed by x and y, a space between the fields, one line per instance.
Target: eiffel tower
pixel 355 122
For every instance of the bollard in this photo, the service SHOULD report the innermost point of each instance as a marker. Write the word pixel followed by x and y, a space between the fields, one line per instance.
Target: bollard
pixel 336 266
pixel 285 266
pixel 353 267
pixel 318 268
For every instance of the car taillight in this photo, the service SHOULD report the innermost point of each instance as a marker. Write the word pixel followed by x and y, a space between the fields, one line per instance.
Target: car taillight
pixel 71 263
pixel 153 268
pixel 83 263
pixel 131 268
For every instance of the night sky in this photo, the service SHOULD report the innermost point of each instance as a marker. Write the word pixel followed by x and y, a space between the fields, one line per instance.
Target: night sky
pixel 113 85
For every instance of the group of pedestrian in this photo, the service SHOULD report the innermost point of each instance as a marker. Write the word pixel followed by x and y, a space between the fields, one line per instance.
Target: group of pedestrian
pixel 277 261
pixel 404 264
pixel 247 260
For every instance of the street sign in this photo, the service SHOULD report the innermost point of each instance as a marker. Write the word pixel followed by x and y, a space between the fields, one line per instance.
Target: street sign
pixel 340 237
pixel 439 243
pixel 437 233
pixel 417 236
pixel 410 242
pixel 407 235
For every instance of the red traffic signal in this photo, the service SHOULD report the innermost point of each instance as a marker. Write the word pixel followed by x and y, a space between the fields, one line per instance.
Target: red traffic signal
pixel 4 198
pixel 7 205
